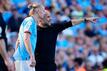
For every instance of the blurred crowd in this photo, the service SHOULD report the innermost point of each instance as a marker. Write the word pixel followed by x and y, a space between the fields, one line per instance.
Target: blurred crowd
pixel 79 48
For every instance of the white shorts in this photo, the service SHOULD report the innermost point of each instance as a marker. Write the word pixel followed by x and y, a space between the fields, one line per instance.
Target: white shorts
pixel 23 66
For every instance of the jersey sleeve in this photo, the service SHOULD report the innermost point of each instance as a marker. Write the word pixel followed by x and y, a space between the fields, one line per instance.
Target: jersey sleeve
pixel 60 26
pixel 28 27
pixel 2 27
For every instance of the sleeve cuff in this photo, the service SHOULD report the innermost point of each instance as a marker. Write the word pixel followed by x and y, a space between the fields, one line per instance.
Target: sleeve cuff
pixel 27 32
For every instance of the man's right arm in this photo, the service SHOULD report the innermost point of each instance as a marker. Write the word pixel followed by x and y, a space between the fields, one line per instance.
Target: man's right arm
pixel 27 41
pixel 8 62
pixel 3 52
pixel 3 49
pixel 63 25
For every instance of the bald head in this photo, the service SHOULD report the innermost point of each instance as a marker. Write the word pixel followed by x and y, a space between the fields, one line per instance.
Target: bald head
pixel 40 13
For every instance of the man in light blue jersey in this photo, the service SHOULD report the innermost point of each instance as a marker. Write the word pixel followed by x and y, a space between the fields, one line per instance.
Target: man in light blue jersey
pixel 26 44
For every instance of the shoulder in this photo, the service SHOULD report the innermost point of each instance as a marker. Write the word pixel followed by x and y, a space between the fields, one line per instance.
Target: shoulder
pixel 28 20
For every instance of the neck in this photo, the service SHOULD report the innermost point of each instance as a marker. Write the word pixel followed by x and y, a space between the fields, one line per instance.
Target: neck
pixel 35 18
pixel 41 25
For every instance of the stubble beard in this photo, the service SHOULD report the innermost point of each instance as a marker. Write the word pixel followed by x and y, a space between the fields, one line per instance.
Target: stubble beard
pixel 46 22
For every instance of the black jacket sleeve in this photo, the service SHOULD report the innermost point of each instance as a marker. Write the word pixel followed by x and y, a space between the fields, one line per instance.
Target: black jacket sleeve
pixel 2 27
pixel 60 26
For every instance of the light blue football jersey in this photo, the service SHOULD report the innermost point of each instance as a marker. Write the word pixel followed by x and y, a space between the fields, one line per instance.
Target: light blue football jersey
pixel 28 25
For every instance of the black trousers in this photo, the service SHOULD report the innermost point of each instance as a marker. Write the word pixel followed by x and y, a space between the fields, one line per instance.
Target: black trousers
pixel 45 67
pixel 2 65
